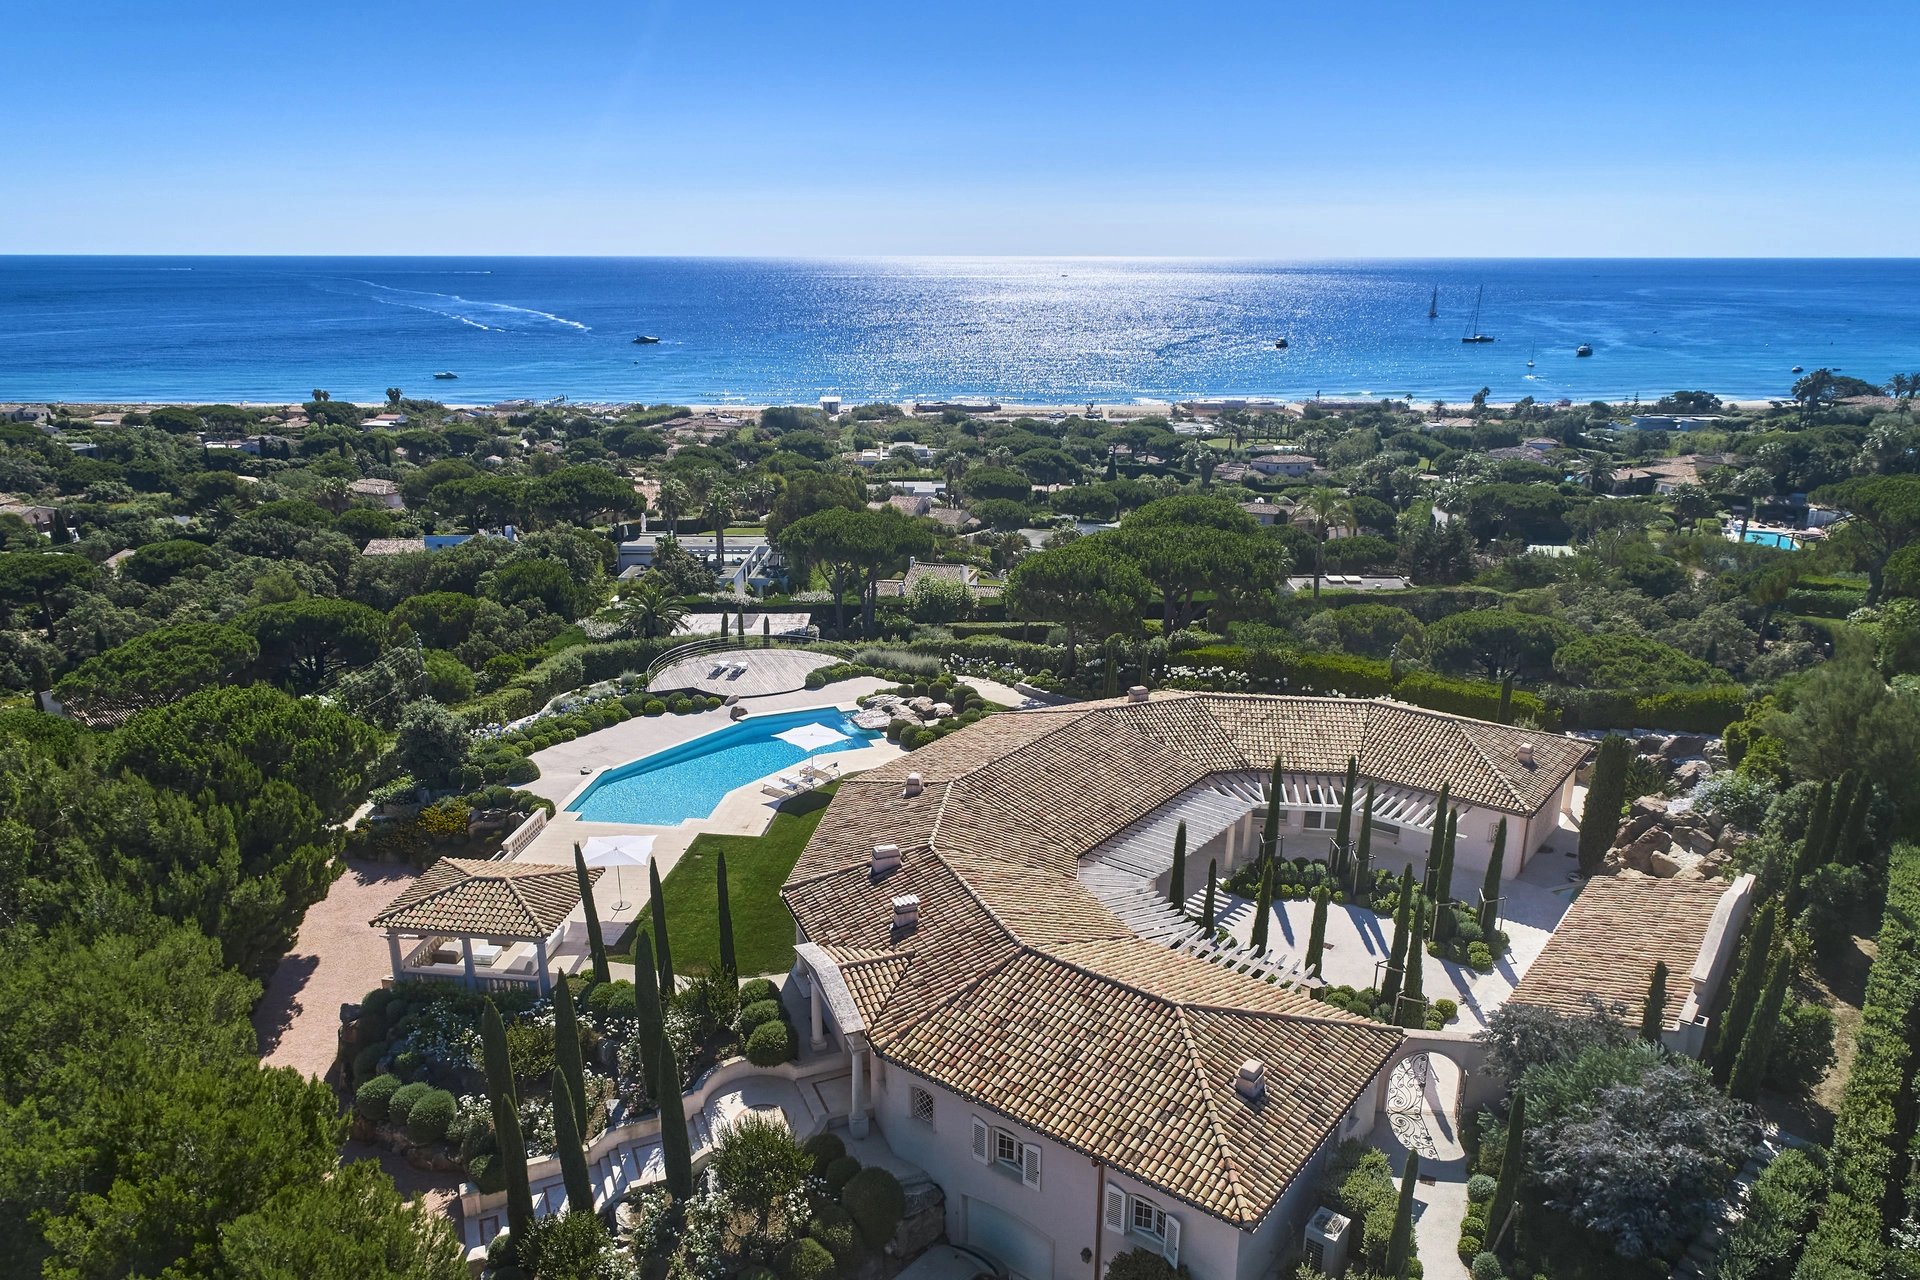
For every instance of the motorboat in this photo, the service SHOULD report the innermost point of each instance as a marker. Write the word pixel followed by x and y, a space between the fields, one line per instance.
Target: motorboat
pixel 1584 349
pixel 446 375
pixel 646 340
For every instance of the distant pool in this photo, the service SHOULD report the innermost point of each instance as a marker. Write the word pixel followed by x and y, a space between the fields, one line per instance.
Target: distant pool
pixel 1768 538
pixel 689 781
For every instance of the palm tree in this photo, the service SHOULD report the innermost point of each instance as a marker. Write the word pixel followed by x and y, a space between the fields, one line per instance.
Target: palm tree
pixel 647 612
pixel 1751 484
pixel 1326 509
pixel 393 397
pixel 953 469
pixel 1203 459
pixel 673 502
pixel 321 397
pixel 717 508
pixel 1598 470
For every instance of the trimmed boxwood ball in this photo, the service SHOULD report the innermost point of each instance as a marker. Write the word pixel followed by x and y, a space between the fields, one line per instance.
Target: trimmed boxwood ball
pixel 874 1198
pixel 833 1227
pixel 1480 1188
pixel 756 990
pixel 612 1000
pixel 840 1173
pixel 371 1098
pixel 754 1016
pixel 400 1105
pixel 488 1174
pixel 806 1259
pixel 431 1115
pixel 1486 1266
pixel 367 1061
pixel 653 707
pixel 771 1044
pixel 825 1148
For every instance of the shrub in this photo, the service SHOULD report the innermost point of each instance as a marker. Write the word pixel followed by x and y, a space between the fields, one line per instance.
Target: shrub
pixel 825 1148
pixel 833 1227
pixel 653 707
pixel 1469 1247
pixel 840 1172
pixel 1487 1267
pixel 1140 1264
pixel 1479 1188
pixel 1480 957
pixel 431 1115
pixel 1766 1242
pixel 400 1103
pixel 771 1044
pixel 877 1203
pixel 758 989
pixel 806 1259
pixel 371 1098
pixel 488 1174
pixel 1802 1047
pixel 1447 1009
pixel 679 704
pixel 754 1016
pixel 367 1060
pixel 612 1000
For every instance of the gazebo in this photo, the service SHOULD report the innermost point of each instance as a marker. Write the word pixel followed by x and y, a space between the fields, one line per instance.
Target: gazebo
pixel 488 925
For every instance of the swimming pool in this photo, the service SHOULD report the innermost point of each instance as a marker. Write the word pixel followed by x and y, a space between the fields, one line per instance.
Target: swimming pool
pixel 688 781
pixel 1768 538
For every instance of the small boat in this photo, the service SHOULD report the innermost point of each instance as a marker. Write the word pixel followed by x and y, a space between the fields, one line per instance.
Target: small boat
pixel 645 340
pixel 1473 333
pixel 1584 349
pixel 1280 344
pixel 1529 357
pixel 1799 369
pixel 1433 304
pixel 446 375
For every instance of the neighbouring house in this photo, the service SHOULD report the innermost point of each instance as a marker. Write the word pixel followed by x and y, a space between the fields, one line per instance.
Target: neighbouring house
pixel 983 933
pixel 748 559
pixel 964 574
pixel 907 504
pixel 1623 924
pixel 39 516
pixel 1674 421
pixel 486 924
pixel 1350 582
pixel 384 421
pixel 922 453
pixel 393 546
pixel 1291 465
pixel 381 493
pixel 1278 511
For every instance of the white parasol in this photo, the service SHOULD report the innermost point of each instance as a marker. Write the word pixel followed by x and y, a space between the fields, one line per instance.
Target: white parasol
pixel 617 852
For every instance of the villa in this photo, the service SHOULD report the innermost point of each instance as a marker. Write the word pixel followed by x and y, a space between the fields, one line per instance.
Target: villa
pixel 983 931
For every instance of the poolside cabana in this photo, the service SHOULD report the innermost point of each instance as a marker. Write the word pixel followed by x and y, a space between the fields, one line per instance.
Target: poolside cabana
pixel 492 926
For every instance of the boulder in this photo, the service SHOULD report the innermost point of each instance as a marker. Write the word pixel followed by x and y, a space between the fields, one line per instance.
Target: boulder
pixel 1728 840
pixel 924 1223
pixel 921 705
pixel 1664 865
pixel 1652 744
pixel 1653 805
pixel 1635 827
pixel 1683 745
pixel 1695 840
pixel 1639 855
pixel 942 710
pixel 1689 774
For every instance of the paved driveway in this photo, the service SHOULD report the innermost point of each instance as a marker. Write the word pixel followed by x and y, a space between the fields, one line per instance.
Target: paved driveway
pixel 335 960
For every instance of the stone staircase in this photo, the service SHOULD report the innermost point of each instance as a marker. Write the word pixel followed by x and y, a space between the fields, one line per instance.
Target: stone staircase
pixel 1703 1255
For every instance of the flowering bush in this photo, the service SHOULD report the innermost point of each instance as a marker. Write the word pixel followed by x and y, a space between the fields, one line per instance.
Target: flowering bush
pixel 439 1035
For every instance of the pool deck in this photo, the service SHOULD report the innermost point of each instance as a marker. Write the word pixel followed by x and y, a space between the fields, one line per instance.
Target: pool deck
pixel 767 672
pixel 568 767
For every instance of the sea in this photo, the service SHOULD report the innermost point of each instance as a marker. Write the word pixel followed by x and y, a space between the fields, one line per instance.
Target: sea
pixel 1015 330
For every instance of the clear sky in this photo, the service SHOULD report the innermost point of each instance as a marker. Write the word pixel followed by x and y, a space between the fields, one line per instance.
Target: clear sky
pixel 1276 129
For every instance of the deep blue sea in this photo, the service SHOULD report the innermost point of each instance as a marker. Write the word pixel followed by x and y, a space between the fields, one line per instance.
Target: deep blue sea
pixel 1025 330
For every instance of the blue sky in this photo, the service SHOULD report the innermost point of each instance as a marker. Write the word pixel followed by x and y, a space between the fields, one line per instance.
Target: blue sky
pixel 1272 130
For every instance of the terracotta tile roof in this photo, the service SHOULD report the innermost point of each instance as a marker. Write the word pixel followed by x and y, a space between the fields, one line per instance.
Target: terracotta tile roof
pixel 1611 937
pixel 477 897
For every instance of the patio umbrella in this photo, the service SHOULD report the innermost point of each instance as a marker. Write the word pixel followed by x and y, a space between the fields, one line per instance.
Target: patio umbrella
pixel 617 852
pixel 810 738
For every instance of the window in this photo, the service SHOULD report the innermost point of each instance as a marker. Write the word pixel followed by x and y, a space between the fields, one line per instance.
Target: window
pixel 1004 1151
pixel 1149 1219
pixel 921 1104
pixel 1313 819
pixel 1153 1227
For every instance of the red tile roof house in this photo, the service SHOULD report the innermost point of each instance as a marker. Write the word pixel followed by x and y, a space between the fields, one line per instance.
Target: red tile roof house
pixel 982 932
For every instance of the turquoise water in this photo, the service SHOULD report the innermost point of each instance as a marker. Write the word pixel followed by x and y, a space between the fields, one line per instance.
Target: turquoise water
pixel 688 781
pixel 1025 330
pixel 1785 542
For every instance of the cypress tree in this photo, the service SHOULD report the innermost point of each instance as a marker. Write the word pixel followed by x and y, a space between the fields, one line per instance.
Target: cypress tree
pixel 1750 1066
pixel 1206 907
pixel 1317 935
pixel 566 1049
pixel 1443 917
pixel 1397 955
pixel 567 1144
pixel 728 963
pixel 1812 845
pixel 1606 793
pixel 1263 910
pixel 724 619
pixel 766 631
pixel 1363 854
pixel 1400 1243
pixel 1653 1018
pixel 511 1147
pixel 1270 837
pixel 596 945
pixel 1837 818
pixel 1413 991
pixel 1746 993
pixel 1177 880
pixel 1490 887
pixel 676 1150
pixel 1343 832
pixel 662 951
pixel 1512 1161
pixel 1505 714
pixel 649 1022
pixel 1853 837
pixel 1436 842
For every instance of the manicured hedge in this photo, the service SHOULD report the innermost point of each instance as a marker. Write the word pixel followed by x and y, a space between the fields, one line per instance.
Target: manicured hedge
pixel 1356 677
pixel 1472 698
pixel 1848 1242
pixel 1704 710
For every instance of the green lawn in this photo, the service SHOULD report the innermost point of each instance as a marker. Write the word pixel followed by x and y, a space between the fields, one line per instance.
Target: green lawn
pixel 756 868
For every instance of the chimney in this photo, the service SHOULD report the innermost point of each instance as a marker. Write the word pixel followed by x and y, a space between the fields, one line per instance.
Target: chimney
pixel 886 858
pixel 914 786
pixel 1526 755
pixel 1137 694
pixel 1251 1083
pixel 906 913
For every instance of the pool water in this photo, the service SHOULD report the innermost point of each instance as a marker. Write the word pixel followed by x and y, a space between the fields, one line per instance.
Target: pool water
pixel 689 781
pixel 1767 538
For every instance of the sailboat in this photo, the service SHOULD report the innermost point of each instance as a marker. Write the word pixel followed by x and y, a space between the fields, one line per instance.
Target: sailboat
pixel 1473 333
pixel 1530 351
pixel 1433 304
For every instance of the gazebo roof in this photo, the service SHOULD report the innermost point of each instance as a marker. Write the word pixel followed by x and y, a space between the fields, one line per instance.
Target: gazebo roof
pixel 478 898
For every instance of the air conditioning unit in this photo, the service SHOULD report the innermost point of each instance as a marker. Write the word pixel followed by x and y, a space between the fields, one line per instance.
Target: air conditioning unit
pixel 1325 1246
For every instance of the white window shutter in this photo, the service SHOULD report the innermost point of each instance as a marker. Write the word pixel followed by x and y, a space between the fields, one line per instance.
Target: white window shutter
pixel 1116 1210
pixel 1030 1165
pixel 982 1140
pixel 1172 1247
